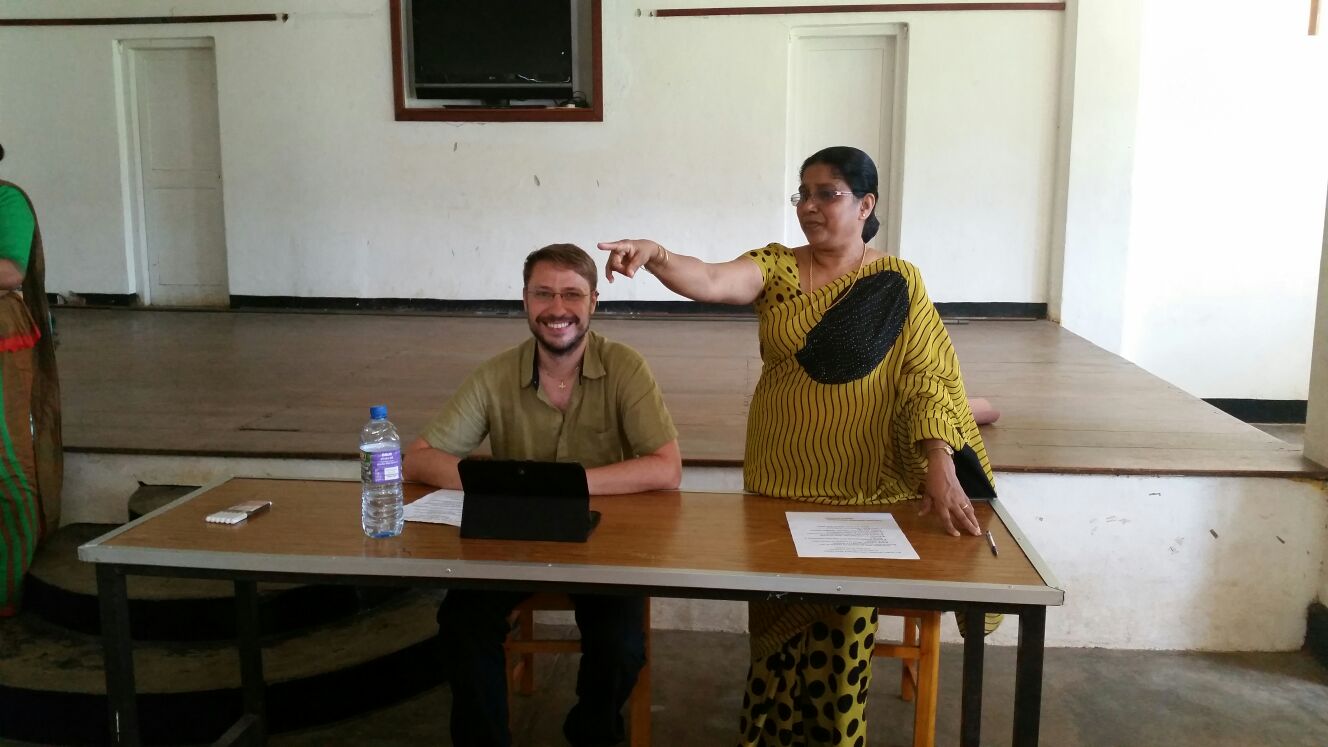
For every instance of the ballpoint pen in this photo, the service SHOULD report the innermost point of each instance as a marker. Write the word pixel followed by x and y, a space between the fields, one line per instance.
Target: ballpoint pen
pixel 991 542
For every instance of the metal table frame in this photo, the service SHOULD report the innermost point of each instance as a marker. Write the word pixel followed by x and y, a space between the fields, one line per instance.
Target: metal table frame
pixel 114 564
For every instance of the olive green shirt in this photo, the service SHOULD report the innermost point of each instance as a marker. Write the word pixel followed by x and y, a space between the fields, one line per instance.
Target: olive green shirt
pixel 616 411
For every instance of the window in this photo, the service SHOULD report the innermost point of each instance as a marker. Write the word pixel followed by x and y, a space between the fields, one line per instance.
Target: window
pixel 497 60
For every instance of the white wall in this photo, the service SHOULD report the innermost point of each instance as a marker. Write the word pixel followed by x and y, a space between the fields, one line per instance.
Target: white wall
pixel 1316 423
pixel 979 161
pixel 58 124
pixel 1221 564
pixel 1191 190
pixel 1228 214
pixel 1195 190
pixel 1103 56
pixel 327 196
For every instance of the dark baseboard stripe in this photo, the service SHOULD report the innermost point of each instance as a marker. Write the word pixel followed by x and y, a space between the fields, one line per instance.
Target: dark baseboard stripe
pixel 468 307
pixel 497 307
pixel 1263 410
pixel 992 310
pixel 1316 632
pixel 493 307
pixel 392 305
pixel 92 299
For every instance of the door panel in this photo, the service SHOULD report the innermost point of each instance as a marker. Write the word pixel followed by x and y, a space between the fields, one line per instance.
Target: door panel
pixel 179 147
pixel 843 93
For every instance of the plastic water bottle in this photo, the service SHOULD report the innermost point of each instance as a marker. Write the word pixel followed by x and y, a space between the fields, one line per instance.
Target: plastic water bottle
pixel 380 476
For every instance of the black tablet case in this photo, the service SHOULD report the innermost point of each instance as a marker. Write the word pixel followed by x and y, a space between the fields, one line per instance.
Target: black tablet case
pixel 521 500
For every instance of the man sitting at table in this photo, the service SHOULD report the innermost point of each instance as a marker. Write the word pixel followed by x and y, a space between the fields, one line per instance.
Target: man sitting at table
pixel 566 395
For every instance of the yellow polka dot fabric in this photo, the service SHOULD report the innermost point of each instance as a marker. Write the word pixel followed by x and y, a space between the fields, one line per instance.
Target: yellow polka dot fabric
pixel 813 690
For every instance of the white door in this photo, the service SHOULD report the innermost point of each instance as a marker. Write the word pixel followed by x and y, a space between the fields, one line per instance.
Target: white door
pixel 173 93
pixel 845 85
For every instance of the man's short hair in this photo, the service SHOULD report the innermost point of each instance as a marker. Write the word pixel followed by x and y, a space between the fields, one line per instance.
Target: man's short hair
pixel 569 256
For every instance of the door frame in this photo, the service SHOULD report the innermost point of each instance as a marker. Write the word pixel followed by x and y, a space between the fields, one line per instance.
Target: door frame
pixel 131 154
pixel 891 184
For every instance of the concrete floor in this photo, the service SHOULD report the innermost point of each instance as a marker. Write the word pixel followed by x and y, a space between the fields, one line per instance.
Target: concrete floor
pixel 1091 698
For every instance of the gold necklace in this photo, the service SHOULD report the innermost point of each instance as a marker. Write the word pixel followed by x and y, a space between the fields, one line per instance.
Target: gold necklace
pixel 811 275
pixel 562 383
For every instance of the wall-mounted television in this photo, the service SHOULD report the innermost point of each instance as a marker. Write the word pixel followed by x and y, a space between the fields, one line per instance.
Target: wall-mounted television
pixel 494 52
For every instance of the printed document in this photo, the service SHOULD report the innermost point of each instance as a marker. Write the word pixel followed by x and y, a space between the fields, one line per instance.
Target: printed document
pixel 848 535
pixel 438 507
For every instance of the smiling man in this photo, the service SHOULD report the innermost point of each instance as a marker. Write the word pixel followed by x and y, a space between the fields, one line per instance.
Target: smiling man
pixel 568 395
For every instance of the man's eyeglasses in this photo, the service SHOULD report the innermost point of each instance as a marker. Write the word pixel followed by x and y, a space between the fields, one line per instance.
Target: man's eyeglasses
pixel 570 297
pixel 819 196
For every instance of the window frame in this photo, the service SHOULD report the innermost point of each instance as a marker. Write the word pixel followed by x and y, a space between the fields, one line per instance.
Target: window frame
pixel 408 112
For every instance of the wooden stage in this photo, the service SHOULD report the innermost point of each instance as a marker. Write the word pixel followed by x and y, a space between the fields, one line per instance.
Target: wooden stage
pixel 298 385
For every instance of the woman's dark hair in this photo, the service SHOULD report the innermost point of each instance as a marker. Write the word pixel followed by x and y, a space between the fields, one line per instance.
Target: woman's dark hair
pixel 857 170
pixel 2 152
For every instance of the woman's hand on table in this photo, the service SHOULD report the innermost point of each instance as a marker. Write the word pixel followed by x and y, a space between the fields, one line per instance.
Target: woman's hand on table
pixel 943 496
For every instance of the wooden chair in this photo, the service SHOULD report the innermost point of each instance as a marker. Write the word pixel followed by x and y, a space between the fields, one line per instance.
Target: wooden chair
pixel 920 652
pixel 522 645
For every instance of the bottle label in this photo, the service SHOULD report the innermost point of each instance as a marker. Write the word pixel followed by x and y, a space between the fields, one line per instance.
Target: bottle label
pixel 383 466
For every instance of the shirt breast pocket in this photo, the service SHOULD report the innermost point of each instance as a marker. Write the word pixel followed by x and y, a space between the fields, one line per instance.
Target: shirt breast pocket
pixel 602 447
pixel 598 440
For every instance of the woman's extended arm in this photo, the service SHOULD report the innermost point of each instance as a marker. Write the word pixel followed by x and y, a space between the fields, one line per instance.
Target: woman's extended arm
pixel 738 281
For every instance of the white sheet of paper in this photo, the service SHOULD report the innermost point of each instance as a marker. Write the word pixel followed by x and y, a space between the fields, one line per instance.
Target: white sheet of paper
pixel 438 507
pixel 859 535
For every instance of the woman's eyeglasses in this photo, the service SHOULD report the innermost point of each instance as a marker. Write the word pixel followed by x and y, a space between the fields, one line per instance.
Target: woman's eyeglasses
pixel 570 297
pixel 819 196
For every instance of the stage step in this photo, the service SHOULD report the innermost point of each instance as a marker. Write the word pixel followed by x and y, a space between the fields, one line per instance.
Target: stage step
pixel 329 651
pixel 149 498
pixel 52 684
pixel 63 590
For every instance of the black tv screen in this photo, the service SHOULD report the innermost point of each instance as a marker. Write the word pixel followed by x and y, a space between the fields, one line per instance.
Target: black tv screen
pixel 492 50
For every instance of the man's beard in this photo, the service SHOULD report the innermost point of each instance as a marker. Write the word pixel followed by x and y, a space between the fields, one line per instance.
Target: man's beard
pixel 557 349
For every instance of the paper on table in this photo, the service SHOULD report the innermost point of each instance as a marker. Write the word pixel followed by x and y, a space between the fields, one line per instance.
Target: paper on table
pixel 438 507
pixel 857 535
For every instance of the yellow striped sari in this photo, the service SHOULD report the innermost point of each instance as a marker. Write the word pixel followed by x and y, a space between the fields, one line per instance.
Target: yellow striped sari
pixel 853 376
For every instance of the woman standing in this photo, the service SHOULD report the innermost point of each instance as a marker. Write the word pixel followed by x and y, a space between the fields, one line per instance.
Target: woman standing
pixel 31 460
pixel 860 401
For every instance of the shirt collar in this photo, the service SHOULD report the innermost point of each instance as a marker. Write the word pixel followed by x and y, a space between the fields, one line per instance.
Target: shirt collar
pixel 592 361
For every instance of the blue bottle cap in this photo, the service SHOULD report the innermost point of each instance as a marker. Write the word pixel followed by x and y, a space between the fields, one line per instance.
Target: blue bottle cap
pixel 378 412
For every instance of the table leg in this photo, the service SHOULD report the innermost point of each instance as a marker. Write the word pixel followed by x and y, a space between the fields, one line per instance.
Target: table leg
pixel 118 652
pixel 251 658
pixel 970 712
pixel 1028 676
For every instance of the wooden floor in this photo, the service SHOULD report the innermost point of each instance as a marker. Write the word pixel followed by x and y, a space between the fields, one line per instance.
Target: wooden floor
pixel 299 385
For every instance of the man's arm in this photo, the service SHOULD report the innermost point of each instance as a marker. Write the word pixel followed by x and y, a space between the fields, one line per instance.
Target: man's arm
pixel 660 470
pixel 421 462
pixel 459 428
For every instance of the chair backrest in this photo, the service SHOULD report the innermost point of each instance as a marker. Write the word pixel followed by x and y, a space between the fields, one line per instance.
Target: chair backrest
pixel 522 645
